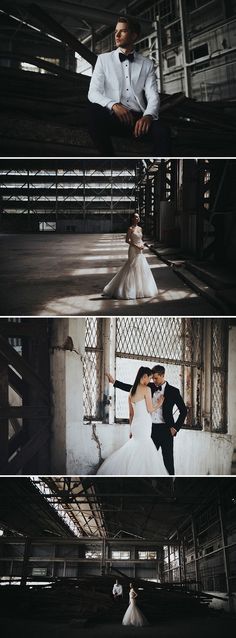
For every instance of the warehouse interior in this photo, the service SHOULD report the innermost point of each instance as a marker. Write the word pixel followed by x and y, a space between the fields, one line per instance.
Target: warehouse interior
pixel 49 48
pixel 65 540
pixel 59 414
pixel 78 211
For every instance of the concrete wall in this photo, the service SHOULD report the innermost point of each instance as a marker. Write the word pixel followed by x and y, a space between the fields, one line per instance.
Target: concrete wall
pixel 196 452
pixel 222 603
pixel 67 395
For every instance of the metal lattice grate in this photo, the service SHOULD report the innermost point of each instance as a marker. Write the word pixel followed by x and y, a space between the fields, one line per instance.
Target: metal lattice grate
pixel 218 375
pixel 164 339
pixel 92 376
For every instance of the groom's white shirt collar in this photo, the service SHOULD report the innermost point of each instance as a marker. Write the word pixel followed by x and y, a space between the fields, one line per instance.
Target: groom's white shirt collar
pixel 163 386
pixel 120 50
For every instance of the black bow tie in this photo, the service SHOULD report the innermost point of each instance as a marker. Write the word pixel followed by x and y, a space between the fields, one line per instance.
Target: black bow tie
pixel 124 57
pixel 159 387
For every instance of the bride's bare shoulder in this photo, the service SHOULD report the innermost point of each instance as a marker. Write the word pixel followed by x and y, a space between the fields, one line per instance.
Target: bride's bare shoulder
pixel 147 390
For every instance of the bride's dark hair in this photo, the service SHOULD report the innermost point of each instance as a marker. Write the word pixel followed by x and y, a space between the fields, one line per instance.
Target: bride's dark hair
pixel 141 372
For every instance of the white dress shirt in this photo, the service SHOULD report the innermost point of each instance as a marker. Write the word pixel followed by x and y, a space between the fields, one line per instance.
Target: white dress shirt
pixel 117 589
pixel 157 416
pixel 127 98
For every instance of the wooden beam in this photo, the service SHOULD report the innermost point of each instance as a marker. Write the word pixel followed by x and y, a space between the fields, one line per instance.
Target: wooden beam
pixel 15 382
pixel 23 412
pixel 55 69
pixel 60 32
pixel 3 403
pixel 16 441
pixel 22 367
pixel 28 452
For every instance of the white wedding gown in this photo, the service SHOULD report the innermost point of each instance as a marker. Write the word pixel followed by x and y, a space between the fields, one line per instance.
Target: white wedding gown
pixel 133 615
pixel 139 455
pixel 135 279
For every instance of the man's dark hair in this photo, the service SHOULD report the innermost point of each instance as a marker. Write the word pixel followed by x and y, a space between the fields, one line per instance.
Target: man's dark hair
pixel 132 24
pixel 158 370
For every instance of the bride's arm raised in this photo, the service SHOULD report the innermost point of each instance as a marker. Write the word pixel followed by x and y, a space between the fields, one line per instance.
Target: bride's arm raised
pixel 152 407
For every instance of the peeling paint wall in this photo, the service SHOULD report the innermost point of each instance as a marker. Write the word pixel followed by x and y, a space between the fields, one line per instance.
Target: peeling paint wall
pixel 196 452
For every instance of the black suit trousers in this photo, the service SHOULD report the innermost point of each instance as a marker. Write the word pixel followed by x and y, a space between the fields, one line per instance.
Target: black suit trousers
pixel 102 125
pixel 162 437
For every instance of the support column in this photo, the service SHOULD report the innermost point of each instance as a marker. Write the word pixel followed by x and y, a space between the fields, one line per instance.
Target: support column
pixel 160 61
pixel 156 229
pixel 109 366
pixel 186 54
pixel 207 377
pixel 3 422
pixel 231 398
pixel 180 561
pixel 103 561
pixel 195 551
pixel 56 208
pixel 225 552
pixel 188 204
pixel 169 564
pixel 148 205
pixel 67 395
pixel 24 573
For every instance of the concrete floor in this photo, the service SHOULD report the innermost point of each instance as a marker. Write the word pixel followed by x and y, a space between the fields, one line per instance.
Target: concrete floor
pixel 56 275
pixel 205 626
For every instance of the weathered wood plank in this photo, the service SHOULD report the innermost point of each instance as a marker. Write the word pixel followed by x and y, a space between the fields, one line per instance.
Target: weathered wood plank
pixel 37 412
pixel 22 367
pixel 29 451
pixel 3 403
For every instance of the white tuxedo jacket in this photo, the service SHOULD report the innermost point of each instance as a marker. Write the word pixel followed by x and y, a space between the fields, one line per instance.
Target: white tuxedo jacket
pixel 106 82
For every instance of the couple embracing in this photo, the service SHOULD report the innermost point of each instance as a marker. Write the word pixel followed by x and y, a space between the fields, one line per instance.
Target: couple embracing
pixel 152 426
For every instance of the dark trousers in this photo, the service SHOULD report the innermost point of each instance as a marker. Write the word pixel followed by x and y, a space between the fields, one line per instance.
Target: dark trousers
pixel 162 437
pixel 103 124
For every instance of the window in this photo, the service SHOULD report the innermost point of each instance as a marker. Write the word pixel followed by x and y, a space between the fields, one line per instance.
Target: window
pixel 93 369
pixel 148 555
pixel 93 554
pixel 47 226
pixel 39 571
pixel 199 52
pixel 171 61
pixel 172 341
pixel 122 555
pixel 177 343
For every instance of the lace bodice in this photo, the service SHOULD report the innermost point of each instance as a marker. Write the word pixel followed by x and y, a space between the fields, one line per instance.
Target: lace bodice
pixel 136 236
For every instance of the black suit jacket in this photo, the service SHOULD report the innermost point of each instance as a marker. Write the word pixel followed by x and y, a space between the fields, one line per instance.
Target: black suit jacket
pixel 172 398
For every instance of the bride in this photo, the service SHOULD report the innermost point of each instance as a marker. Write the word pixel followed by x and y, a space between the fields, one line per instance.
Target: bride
pixel 138 456
pixel 135 279
pixel 133 615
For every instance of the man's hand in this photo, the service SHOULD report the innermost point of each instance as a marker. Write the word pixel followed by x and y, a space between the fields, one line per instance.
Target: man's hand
pixel 173 431
pixel 142 125
pixel 123 114
pixel 110 377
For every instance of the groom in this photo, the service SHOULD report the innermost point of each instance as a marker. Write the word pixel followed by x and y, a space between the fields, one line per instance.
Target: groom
pixel 123 95
pixel 164 428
